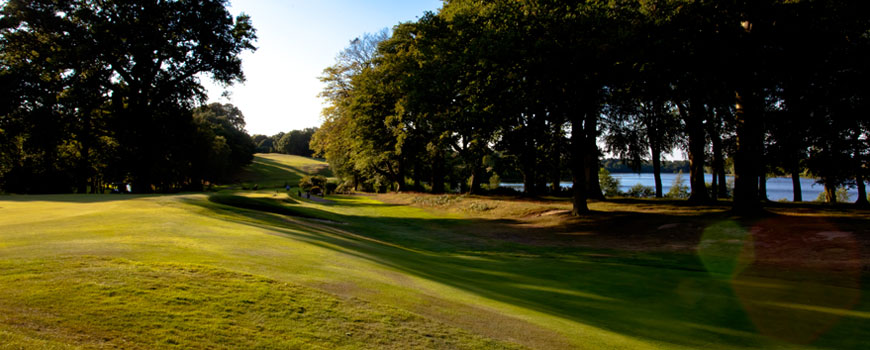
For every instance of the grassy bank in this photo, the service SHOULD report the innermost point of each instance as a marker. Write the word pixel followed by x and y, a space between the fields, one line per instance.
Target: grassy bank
pixel 264 270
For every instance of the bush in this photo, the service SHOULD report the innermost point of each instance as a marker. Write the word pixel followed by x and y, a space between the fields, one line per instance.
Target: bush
pixel 641 191
pixel 609 184
pixel 316 190
pixel 344 188
pixel 842 196
pixel 308 182
pixel 481 206
pixel 494 182
pixel 678 188
pixel 331 187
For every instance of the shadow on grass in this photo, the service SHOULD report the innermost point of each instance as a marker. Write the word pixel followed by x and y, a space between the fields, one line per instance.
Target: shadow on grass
pixel 664 298
pixel 74 198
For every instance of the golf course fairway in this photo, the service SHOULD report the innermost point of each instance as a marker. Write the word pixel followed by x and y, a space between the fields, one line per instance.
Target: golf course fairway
pixel 266 269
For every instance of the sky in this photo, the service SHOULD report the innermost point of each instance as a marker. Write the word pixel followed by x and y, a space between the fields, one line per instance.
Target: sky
pixel 296 41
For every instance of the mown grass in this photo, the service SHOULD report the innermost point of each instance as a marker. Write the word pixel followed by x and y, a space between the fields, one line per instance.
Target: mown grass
pixel 272 170
pixel 448 276
pixel 118 303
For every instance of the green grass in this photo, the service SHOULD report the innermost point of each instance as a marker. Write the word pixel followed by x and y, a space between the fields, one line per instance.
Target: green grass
pixel 272 170
pixel 261 270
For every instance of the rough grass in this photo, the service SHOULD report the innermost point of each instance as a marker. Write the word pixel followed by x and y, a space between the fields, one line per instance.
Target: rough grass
pixel 411 270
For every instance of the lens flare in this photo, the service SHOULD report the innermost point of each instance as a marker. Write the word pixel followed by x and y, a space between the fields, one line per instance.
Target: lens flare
pixel 726 249
pixel 796 277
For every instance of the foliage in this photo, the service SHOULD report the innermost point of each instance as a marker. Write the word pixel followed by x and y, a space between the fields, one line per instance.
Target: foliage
pixel 220 130
pixel 678 188
pixel 296 142
pixel 842 196
pixel 609 184
pixel 615 166
pixel 308 183
pixel 440 98
pixel 331 187
pixel 102 92
pixel 641 191
pixel 344 188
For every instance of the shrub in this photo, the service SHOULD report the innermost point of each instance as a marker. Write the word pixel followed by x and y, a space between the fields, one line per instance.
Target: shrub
pixel 308 182
pixel 842 196
pixel 481 206
pixel 641 191
pixel 678 188
pixel 344 188
pixel 331 187
pixel 609 184
pixel 494 182
pixel 316 190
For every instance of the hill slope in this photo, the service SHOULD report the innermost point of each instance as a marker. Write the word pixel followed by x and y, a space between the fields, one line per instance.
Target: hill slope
pixel 273 170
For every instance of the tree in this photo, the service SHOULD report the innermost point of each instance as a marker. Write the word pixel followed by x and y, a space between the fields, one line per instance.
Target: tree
pixel 296 142
pixel 227 125
pixel 117 80
pixel 337 139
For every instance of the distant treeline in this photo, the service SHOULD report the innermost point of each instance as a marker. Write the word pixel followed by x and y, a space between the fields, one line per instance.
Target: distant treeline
pixel 295 142
pixel 667 166
pixel 99 94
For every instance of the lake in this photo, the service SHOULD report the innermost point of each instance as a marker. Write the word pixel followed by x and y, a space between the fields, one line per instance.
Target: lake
pixel 777 188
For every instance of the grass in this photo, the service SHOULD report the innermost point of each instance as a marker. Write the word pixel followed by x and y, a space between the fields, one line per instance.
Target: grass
pixel 272 170
pixel 234 270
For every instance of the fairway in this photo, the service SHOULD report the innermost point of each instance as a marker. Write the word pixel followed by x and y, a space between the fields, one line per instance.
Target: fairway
pixel 261 269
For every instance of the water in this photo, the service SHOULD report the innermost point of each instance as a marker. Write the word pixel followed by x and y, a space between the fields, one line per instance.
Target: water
pixel 778 188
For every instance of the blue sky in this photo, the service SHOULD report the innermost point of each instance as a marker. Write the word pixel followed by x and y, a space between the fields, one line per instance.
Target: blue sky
pixel 297 40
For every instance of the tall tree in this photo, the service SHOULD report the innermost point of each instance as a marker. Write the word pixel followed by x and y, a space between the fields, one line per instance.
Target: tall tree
pixel 119 76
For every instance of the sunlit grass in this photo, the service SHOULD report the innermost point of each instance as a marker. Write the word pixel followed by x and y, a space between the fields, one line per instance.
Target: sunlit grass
pixel 272 170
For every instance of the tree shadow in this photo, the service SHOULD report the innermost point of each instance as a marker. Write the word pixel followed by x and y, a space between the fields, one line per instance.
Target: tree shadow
pixel 74 198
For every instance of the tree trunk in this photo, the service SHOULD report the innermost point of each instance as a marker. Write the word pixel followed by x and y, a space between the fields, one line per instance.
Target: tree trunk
pixel 714 194
pixel 529 180
pixel 578 171
pixel 723 188
pixel 796 186
pixel 556 179
pixel 556 170
pixel 655 148
pixel 830 194
pixel 593 186
pixel 438 173
pixel 657 170
pixel 697 144
pixel 718 167
pixel 84 172
pixel 418 177
pixel 400 177
pixel 475 178
pixel 862 191
pixel 746 159
pixel 762 187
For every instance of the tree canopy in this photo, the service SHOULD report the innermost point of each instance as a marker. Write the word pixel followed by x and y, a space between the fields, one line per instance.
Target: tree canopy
pixel 536 87
pixel 104 91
